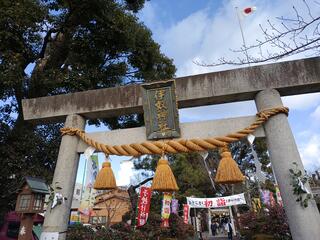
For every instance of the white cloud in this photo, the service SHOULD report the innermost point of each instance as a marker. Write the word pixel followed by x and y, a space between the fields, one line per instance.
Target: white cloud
pixel 310 153
pixel 316 114
pixel 302 102
pixel 148 14
pixel 125 173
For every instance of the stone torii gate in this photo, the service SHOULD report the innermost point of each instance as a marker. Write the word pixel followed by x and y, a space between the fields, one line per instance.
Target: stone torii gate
pixel 264 84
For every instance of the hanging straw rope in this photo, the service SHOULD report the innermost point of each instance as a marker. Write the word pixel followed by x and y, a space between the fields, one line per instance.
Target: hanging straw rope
pixel 175 145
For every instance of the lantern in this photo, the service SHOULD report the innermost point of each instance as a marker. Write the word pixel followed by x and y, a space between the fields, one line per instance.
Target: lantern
pixel 30 201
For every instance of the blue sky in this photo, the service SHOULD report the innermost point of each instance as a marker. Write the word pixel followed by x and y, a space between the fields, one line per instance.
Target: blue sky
pixel 202 30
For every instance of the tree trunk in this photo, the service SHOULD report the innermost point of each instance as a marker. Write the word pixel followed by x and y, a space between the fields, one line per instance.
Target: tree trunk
pixel 134 199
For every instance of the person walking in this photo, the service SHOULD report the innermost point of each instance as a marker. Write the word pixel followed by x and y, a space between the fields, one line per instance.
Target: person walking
pixel 199 227
pixel 214 228
pixel 229 230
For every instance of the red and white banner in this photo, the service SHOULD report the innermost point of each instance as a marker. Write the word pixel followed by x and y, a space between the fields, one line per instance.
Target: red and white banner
pixel 143 206
pixel 272 200
pixel 216 202
pixel 186 213
pixel 166 209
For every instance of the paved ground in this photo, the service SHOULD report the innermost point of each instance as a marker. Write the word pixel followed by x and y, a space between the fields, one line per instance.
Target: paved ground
pixel 217 237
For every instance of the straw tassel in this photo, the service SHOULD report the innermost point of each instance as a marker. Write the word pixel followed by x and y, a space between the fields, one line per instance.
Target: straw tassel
pixel 164 180
pixel 105 179
pixel 228 171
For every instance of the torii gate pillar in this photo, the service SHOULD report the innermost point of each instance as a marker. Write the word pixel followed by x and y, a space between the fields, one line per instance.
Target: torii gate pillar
pixel 56 221
pixel 303 222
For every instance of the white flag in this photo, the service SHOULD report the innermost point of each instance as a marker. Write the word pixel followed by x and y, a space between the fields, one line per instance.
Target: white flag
pixel 248 10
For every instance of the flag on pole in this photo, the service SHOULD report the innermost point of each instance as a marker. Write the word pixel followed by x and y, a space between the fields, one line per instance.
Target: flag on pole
pixel 248 10
pixel 91 171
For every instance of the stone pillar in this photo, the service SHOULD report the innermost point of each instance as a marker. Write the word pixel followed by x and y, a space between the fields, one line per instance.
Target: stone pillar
pixel 56 219
pixel 303 222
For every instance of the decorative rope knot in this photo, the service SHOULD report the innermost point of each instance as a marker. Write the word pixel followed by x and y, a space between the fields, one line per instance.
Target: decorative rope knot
pixel 70 131
pixel 106 164
pixel 285 110
pixel 263 115
pixel 266 113
pixel 225 154
pixel 163 179
pixel 162 162
pixel 105 179
pixel 228 171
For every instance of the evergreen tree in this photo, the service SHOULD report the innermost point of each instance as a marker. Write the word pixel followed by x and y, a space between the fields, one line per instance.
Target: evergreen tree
pixel 51 47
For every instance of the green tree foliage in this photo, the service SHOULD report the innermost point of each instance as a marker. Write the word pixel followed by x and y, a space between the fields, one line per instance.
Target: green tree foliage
pixel 242 154
pixel 51 47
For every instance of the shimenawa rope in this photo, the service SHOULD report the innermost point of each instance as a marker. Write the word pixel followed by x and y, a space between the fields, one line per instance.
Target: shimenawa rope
pixel 176 145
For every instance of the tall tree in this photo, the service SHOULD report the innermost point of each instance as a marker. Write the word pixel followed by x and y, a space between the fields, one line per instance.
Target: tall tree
pixel 51 47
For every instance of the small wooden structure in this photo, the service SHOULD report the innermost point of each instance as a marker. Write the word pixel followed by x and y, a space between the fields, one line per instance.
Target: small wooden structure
pixel 30 201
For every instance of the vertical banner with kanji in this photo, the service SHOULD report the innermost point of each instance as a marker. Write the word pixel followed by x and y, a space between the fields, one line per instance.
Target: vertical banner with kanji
pixel 279 198
pixel 174 206
pixel 272 200
pixel 185 213
pixel 166 209
pixel 143 206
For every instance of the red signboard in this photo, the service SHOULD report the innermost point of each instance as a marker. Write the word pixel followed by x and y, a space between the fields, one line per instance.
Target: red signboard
pixel 185 213
pixel 143 206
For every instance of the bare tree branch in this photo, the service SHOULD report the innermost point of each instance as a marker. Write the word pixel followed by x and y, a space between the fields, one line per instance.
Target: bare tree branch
pixel 294 35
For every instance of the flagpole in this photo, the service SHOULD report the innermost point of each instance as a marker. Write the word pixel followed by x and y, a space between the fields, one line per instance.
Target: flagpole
pixel 81 192
pixel 84 174
pixel 242 35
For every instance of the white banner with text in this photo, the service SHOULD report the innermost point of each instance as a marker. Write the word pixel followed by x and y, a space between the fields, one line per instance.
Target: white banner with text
pixel 216 202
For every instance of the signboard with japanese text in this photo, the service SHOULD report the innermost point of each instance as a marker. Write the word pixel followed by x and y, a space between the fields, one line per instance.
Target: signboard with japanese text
pixel 143 206
pixel 175 206
pixel 160 110
pixel 166 209
pixel 216 202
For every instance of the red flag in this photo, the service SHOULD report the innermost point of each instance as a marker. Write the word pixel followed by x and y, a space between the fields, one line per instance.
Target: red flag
pixel 248 10
pixel 143 206
pixel 185 213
